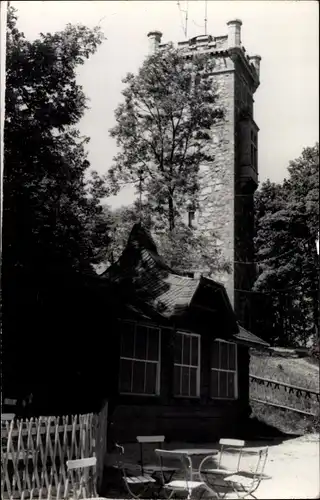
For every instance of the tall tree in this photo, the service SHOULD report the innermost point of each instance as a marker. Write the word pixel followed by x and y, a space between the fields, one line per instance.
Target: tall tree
pixel 53 226
pixel 49 207
pixel 163 129
pixel 287 221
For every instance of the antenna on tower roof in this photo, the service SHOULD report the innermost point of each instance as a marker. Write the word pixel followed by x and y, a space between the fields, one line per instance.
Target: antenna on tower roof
pixel 187 18
pixel 185 28
pixel 205 16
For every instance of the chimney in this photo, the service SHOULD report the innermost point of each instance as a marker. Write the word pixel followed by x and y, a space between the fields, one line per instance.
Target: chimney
pixel 234 33
pixel 255 60
pixel 154 41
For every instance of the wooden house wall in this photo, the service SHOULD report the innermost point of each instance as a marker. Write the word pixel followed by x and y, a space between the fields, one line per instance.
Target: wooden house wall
pixel 73 348
pixel 191 419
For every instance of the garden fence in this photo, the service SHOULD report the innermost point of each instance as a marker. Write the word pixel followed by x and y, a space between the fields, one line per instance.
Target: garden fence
pixel 35 452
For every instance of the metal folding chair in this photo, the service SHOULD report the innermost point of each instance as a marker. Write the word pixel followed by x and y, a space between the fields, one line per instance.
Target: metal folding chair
pixel 245 483
pixel 213 472
pixel 185 482
pixel 143 440
pixel 7 417
pixel 82 475
pixel 228 448
pixel 136 480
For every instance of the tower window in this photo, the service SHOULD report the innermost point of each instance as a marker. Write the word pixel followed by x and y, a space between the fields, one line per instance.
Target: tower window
pixel 254 150
pixel 246 98
pixel 197 79
pixel 191 217
pixel 249 104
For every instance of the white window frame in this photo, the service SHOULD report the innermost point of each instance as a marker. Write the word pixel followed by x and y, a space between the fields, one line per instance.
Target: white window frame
pixel 219 370
pixel 182 365
pixel 145 361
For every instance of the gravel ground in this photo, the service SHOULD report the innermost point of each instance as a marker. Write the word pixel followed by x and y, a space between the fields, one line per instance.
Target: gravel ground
pixel 293 467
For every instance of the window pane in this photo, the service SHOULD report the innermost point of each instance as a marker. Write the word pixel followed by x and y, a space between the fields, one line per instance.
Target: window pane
pixel 151 378
pixel 215 354
pixel 193 382
pixel 214 387
pixel 186 350
pixel 138 377
pixel 141 342
pixel 194 350
pixel 223 355
pixel 231 385
pixel 232 356
pixel 125 375
pixel 177 348
pixel 153 344
pixel 127 339
pixel 185 382
pixel 177 378
pixel 223 385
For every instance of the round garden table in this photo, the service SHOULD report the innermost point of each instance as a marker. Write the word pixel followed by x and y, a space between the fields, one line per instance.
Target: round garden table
pixel 196 452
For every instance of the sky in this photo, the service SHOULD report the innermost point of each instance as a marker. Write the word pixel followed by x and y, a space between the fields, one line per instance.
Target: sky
pixel 284 33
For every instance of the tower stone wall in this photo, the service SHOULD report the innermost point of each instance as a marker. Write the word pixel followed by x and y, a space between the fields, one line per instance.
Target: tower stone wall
pixel 227 184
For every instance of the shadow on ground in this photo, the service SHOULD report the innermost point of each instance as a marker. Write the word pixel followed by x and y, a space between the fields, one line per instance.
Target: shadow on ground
pixel 257 430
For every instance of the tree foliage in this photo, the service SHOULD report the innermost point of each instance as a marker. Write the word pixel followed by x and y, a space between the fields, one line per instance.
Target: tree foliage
pixel 287 225
pixel 53 225
pixel 164 133
pixel 50 209
pixel 163 129
pixel 182 248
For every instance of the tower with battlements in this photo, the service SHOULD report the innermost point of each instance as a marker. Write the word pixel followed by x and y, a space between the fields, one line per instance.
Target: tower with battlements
pixel 229 182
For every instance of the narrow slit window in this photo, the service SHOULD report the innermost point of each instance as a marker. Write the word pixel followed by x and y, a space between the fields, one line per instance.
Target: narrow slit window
pixel 191 217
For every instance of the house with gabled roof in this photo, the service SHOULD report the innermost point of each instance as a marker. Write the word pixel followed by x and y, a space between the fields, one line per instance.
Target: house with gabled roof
pixel 165 350
pixel 180 360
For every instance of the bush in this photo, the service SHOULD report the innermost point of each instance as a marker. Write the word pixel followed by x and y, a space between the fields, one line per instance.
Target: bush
pixel 315 349
pixel 316 421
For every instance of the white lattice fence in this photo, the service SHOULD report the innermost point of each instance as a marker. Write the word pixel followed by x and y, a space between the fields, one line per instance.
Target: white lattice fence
pixel 35 451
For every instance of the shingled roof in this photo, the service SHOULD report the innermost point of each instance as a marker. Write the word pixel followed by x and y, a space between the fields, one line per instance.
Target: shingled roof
pixel 148 287
pixel 248 338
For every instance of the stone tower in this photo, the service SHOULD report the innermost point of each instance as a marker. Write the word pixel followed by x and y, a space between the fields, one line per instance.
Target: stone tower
pixel 229 182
